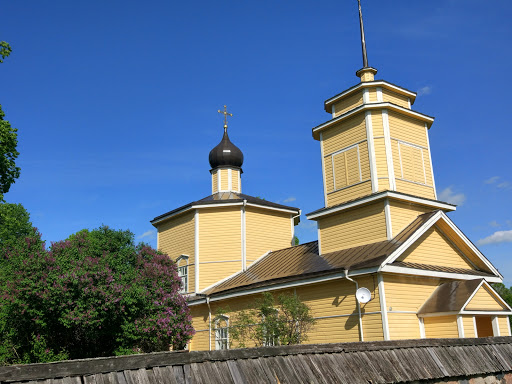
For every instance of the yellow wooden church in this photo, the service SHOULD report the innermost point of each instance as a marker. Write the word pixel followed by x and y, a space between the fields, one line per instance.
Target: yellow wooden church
pixel 381 228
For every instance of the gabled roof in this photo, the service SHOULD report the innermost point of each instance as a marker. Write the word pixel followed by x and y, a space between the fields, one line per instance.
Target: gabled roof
pixel 225 198
pixel 454 296
pixel 304 262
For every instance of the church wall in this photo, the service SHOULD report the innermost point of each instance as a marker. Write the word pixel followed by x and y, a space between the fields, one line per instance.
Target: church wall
pixel 350 193
pixel 348 103
pixel 215 182
pixel 407 129
pixel 220 244
pixel 176 236
pixel 353 227
pixel 441 327
pixel 382 164
pixel 504 325
pixel 403 214
pixel 411 188
pixel 403 325
pixel 469 326
pixel 266 230
pixel 235 179
pixel 435 249
pixel 223 179
pixel 344 134
pixel 332 304
pixel 372 94
pixel 395 98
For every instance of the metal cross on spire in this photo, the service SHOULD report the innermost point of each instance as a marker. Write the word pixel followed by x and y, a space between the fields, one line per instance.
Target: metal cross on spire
pixel 226 114
pixel 363 42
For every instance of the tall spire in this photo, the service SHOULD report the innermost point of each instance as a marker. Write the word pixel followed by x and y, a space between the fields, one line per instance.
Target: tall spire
pixel 363 42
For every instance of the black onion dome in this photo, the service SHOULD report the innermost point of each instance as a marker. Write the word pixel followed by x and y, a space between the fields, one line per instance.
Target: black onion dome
pixel 226 154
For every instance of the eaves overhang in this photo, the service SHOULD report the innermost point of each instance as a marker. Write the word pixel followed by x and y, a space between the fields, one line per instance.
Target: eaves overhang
pixel 368 84
pixel 368 107
pixel 436 204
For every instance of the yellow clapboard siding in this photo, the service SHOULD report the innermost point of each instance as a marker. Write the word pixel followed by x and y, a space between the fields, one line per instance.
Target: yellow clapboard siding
pixel 469 326
pixel 335 330
pixel 348 103
pixel 395 98
pixel 372 327
pixel 352 228
pixel 412 164
pixel 344 134
pixel 365 160
pixel 220 239
pixel 176 236
pixel 503 323
pixel 372 92
pixel 414 189
pixel 350 193
pixel 403 214
pixel 346 168
pixel 383 185
pixel 266 230
pixel 223 179
pixel 403 325
pixel 235 178
pixel 440 327
pixel 377 124
pixel 199 314
pixel 434 248
pixel 407 293
pixel 380 158
pixel 215 182
pixel 484 300
pixel 427 167
pixel 407 129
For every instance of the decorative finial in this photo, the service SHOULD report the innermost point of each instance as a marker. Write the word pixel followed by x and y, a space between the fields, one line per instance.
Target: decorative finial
pixel 226 114
pixel 363 42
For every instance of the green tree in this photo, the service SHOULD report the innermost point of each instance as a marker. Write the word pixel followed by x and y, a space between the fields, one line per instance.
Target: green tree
pixel 506 294
pixel 95 294
pixel 284 321
pixel 9 172
pixel 15 224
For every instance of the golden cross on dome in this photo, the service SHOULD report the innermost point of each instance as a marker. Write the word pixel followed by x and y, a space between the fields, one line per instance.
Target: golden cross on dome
pixel 226 114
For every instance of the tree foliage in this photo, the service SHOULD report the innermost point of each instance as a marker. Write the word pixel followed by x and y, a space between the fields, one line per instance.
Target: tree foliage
pixel 284 321
pixel 9 172
pixel 93 294
pixel 506 294
pixel 14 224
pixel 5 50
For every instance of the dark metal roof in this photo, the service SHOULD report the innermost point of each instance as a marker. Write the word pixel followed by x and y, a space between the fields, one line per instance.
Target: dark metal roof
pixel 325 209
pixel 226 153
pixel 226 198
pixel 303 261
pixel 450 296
pixel 399 361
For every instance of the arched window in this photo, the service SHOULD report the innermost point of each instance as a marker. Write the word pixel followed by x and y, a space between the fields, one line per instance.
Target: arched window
pixel 222 332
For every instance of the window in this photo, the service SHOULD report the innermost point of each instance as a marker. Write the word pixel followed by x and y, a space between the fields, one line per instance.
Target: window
pixel 183 274
pixel 346 167
pixel 222 333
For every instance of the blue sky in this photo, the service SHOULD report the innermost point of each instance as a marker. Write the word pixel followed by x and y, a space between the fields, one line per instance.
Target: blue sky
pixel 116 103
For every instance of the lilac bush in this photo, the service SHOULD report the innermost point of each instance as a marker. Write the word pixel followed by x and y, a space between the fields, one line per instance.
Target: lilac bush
pixel 94 294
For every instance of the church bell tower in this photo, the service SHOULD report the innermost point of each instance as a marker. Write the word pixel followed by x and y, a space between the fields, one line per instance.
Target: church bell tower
pixel 376 162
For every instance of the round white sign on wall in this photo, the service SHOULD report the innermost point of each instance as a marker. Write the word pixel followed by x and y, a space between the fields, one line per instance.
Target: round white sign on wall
pixel 363 295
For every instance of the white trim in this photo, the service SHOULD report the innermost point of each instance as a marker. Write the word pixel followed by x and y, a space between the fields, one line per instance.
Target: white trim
pixel 371 106
pixel 343 149
pixel 445 275
pixel 390 194
pixel 387 215
pixel 319 238
pixel 508 327
pixel 370 84
pixel 487 313
pixel 196 251
pixel 182 256
pixel 383 307
pixel 407 142
pixel 224 205
pixel 323 166
pixel 460 326
pixel 366 95
pixel 402 312
pixel 230 180
pixel 400 143
pixel 371 150
pixel 495 326
pixel 409 102
pixel 438 314
pixel 219 180
pixel 422 328
pixel 333 111
pixel 423 166
pixel 239 172
pixel 349 186
pixel 271 208
pixel 345 315
pixel 475 327
pixel 244 237
pixel 293 230
pixel 431 165
pixel 389 150
pixel 379 94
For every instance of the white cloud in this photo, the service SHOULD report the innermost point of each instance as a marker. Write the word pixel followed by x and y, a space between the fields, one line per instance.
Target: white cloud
pixel 505 184
pixel 426 90
pixel 492 180
pixel 494 224
pixel 289 199
pixel 496 238
pixel 509 222
pixel 148 234
pixel 451 197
